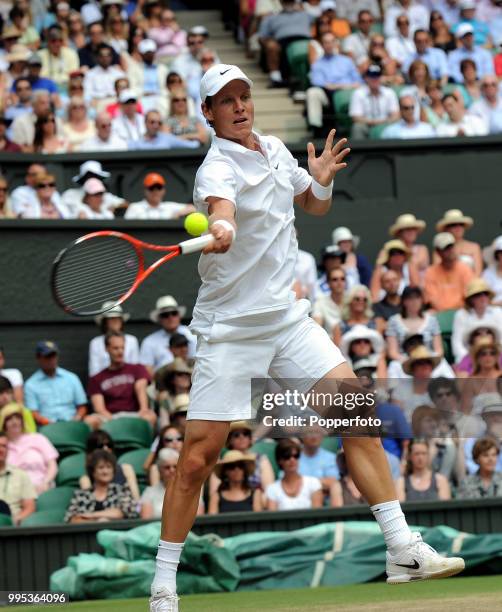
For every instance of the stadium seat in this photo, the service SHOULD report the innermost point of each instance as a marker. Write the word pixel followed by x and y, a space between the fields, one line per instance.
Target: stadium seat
pixel 5 520
pixel 68 437
pixel 341 102
pixel 445 320
pixel 451 87
pixel 46 517
pixel 331 443
pixel 136 458
pixel 55 499
pixel 267 447
pixel 298 61
pixel 129 433
pixel 70 470
pixel 376 131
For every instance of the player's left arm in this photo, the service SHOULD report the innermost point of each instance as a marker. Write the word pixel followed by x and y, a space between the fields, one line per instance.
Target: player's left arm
pixel 316 200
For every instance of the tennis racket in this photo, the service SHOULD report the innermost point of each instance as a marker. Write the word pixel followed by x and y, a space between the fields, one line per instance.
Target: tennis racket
pixel 108 266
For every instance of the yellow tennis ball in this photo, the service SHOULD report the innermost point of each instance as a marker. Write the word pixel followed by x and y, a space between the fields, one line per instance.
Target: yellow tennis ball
pixel 196 224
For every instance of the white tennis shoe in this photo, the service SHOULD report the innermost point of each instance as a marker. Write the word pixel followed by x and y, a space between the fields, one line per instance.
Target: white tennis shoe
pixel 419 561
pixel 162 600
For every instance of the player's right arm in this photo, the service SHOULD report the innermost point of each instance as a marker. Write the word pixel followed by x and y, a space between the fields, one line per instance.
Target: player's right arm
pixel 221 210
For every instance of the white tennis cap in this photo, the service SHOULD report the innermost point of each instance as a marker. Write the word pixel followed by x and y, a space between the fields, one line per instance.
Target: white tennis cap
pixel 464 29
pixel 218 76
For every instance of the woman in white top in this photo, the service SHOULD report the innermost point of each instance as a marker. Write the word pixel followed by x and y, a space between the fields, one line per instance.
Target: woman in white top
pixel 292 491
pixel 493 274
pixel 111 320
pixel 477 310
pixel 92 203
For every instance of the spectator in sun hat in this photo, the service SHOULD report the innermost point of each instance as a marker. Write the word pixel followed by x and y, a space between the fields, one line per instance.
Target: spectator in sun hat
pixel 10 36
pixel 477 310
pixel 408 345
pixel 407 228
pixel 91 206
pixel 113 319
pixel 445 283
pixel 472 335
pixel 154 351
pixel 493 273
pixel 344 239
pixel 395 255
pixel 361 342
pixel 468 50
pixel 235 493
pixel 53 393
pixel 90 169
pixel 455 222
pixel 153 205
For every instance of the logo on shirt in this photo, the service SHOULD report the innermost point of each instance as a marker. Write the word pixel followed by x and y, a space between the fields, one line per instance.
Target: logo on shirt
pixel 225 71
pixel 277 166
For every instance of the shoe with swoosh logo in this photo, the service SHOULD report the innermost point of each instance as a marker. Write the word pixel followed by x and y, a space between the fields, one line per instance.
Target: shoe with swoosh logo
pixel 419 561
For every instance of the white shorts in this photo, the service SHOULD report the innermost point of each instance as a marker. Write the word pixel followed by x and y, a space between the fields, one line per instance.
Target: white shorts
pixel 291 347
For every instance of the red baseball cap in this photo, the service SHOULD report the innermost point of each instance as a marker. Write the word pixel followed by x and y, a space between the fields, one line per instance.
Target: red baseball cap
pixel 153 178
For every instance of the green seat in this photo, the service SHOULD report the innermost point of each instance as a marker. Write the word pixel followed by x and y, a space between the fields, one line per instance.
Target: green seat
pixel 70 470
pixel 5 520
pixel 55 499
pixel 267 447
pixel 445 320
pixel 68 437
pixel 449 88
pixel 46 517
pixel 341 102
pixel 129 433
pixel 331 443
pixel 376 131
pixel 299 67
pixel 136 458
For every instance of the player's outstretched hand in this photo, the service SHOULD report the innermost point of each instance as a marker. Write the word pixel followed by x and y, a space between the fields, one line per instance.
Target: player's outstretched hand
pixel 223 239
pixel 324 168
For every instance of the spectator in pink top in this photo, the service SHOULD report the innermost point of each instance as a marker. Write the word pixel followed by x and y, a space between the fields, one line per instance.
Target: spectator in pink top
pixel 120 389
pixel 170 38
pixel 31 452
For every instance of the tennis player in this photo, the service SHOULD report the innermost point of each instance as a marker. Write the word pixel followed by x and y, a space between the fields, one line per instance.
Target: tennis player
pixel 249 325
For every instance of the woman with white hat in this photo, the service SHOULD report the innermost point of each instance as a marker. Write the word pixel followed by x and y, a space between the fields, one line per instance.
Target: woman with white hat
pixel 364 343
pixel 455 222
pixel 111 320
pixel 493 273
pixel 477 310
pixel 357 266
pixel 406 228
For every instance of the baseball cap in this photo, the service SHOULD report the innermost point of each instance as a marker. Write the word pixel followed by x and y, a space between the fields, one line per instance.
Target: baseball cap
pixel 93 186
pixel 327 5
pixel 466 5
pixel 199 30
pixel 147 45
pixel 153 178
pixel 127 95
pixel 443 240
pixel 46 347
pixel 218 76
pixel 34 60
pixel 373 71
pixel 464 29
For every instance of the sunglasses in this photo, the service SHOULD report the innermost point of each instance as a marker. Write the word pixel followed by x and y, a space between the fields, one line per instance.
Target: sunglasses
pixel 155 188
pixel 105 125
pixel 443 394
pixel 43 185
pixel 240 434
pixel 360 299
pixel 172 313
pixel 405 108
pixel 49 120
pixel 290 455
pixel 179 99
pixel 169 439
pixel 403 23
pixel 169 466
pixel 490 353
pixel 172 81
pixel 437 18
pixel 239 465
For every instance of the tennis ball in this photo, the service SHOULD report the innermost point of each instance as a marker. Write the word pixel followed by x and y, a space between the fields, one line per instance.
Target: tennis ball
pixel 196 224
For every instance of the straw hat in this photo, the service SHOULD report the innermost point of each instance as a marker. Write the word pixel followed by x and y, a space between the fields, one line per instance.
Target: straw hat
pixel 472 328
pixel 235 425
pixel 343 233
pixel 361 332
pixel 477 285
pixel 18 53
pixel 180 403
pixel 388 247
pixel 180 366
pixel 421 353
pixel 111 312
pixel 8 410
pixel 406 221
pixel 10 31
pixel 452 216
pixel 235 456
pixel 166 303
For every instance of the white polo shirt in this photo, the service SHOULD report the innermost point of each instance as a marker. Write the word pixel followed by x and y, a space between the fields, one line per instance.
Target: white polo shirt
pixel 364 104
pixel 165 210
pixel 256 274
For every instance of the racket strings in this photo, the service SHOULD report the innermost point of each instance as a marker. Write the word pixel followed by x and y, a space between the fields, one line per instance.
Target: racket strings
pixel 94 271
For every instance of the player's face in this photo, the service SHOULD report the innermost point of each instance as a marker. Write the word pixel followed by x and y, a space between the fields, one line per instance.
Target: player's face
pixel 232 112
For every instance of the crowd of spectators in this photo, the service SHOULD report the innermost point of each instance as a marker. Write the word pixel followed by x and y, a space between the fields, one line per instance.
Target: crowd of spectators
pixel 440 403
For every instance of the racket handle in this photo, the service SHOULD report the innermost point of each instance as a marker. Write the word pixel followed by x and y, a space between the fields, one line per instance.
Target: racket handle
pixel 196 244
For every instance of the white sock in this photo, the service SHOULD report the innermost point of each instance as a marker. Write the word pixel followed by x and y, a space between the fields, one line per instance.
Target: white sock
pixel 393 524
pixel 275 75
pixel 168 557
